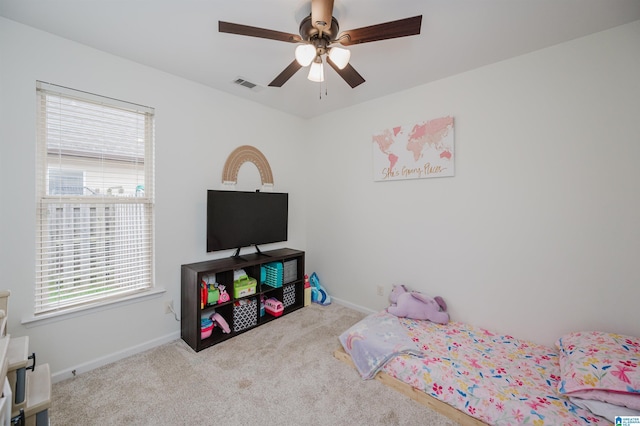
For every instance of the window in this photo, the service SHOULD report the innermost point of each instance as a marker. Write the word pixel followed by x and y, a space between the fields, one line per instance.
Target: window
pixel 95 199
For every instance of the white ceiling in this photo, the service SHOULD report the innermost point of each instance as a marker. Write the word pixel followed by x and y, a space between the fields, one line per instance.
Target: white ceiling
pixel 181 37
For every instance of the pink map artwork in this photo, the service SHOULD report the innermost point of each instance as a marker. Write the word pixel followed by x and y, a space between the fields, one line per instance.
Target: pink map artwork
pixel 420 150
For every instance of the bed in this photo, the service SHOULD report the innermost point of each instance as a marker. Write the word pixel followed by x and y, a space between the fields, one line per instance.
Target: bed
pixel 475 376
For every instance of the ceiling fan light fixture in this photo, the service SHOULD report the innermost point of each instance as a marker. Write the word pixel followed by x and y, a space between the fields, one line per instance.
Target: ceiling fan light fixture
pixel 305 54
pixel 316 72
pixel 340 56
pixel 318 31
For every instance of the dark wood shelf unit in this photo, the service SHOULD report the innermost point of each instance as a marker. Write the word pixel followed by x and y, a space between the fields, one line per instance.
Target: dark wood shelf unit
pixel 190 306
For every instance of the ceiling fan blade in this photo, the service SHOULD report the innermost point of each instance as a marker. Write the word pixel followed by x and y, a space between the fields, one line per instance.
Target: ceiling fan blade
pixel 393 29
pixel 246 30
pixel 321 13
pixel 285 75
pixel 348 73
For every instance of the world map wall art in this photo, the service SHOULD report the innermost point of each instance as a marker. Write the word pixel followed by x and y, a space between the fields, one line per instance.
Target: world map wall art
pixel 417 151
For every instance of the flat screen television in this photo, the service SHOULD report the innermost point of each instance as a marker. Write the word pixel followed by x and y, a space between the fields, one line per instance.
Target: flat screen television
pixel 237 219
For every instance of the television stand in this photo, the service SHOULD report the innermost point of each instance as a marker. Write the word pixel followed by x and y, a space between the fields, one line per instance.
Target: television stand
pixel 236 255
pixel 241 311
pixel 260 253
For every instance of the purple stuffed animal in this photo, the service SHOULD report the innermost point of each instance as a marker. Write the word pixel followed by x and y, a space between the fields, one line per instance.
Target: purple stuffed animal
pixel 413 304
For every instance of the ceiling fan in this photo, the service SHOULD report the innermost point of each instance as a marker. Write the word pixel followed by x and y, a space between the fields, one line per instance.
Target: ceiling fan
pixel 319 38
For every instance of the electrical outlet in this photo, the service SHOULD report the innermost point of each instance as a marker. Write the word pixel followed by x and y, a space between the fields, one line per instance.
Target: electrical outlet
pixel 168 307
pixel 380 290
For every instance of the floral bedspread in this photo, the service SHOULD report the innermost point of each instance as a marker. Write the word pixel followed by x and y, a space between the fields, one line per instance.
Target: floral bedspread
pixel 497 379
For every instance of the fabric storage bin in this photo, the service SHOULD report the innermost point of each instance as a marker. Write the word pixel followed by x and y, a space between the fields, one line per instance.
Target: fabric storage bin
pixel 290 271
pixel 245 314
pixel 289 295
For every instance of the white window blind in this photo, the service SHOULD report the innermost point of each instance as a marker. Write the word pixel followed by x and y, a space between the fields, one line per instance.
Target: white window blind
pixel 95 199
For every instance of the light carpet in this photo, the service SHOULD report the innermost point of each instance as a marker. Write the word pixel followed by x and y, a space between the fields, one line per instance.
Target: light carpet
pixel 281 373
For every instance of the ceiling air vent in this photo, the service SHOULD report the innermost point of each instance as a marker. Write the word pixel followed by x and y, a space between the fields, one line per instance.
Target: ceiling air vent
pixel 249 85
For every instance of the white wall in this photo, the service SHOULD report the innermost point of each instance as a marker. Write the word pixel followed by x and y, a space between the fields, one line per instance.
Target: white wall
pixel 538 233
pixel 196 130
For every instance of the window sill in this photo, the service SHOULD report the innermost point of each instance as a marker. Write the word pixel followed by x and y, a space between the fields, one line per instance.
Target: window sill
pixel 31 321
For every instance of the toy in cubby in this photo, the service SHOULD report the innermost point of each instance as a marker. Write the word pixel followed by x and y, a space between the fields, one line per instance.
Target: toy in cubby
pixel 206 328
pixel 209 294
pixel 243 284
pixel 273 307
pixel 221 322
pixel 209 321
pixel 224 296
pixel 209 290
pixel 213 294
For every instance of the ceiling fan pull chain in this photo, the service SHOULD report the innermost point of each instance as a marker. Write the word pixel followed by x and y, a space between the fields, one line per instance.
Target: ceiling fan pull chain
pixel 326 87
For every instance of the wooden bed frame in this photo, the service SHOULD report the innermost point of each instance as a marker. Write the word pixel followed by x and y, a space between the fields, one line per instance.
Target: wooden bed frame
pixel 417 395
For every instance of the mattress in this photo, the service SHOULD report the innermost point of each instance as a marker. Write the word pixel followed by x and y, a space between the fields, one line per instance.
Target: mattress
pixel 497 379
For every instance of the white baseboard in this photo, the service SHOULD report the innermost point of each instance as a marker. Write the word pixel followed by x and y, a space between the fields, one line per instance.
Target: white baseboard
pixel 352 305
pixel 116 356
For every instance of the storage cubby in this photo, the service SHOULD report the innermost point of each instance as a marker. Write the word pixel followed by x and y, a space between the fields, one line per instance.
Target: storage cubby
pixel 240 313
pixel 26 389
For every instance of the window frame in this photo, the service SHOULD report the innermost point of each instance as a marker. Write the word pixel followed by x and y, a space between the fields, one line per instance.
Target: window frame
pixel 142 199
